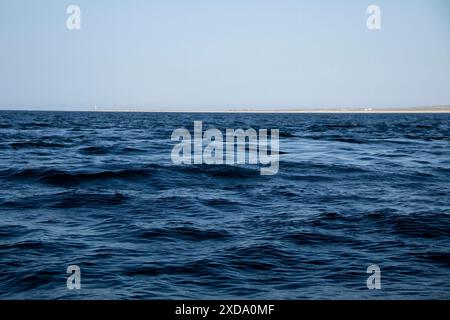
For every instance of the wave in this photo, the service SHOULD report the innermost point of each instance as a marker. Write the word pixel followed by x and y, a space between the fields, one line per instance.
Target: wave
pixel 81 199
pixel 223 171
pixel 66 200
pixel 198 268
pixel 13 231
pixel 62 178
pixel 260 257
pixel 425 225
pixel 286 134
pixel 35 145
pixel 316 238
pixel 104 150
pixel 220 202
pixel 185 233
pixel 308 167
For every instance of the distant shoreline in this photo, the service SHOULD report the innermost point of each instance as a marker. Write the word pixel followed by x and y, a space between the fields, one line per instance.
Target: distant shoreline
pixel 418 110
pixel 352 110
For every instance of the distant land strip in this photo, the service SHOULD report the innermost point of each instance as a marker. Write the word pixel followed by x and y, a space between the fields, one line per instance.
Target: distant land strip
pixel 429 109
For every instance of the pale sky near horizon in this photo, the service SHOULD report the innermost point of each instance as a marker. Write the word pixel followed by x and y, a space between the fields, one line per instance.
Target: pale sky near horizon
pixel 223 54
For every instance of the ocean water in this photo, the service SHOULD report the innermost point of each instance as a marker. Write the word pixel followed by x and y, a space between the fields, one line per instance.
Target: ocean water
pixel 98 190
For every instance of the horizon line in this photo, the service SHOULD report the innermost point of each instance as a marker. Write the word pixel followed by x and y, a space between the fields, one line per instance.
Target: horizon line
pixel 368 110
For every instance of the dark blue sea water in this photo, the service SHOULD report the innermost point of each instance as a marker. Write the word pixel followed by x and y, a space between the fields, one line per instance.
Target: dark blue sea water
pixel 99 190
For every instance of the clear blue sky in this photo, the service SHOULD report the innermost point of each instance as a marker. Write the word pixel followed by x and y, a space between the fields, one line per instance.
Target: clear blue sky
pixel 223 54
